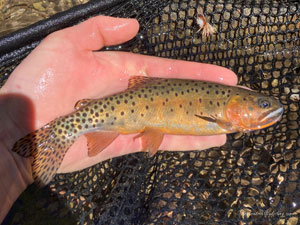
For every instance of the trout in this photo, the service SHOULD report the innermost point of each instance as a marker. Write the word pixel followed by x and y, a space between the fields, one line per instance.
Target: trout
pixel 150 107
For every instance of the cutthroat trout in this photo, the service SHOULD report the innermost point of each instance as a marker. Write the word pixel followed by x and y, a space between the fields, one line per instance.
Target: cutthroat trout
pixel 150 107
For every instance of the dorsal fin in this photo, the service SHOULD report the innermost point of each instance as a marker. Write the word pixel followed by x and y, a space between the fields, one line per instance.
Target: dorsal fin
pixel 139 81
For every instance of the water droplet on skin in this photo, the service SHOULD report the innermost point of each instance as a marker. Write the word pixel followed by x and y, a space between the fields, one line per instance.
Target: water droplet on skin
pixel 45 80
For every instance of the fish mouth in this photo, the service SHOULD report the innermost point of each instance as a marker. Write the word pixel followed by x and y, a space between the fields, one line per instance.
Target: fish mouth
pixel 270 117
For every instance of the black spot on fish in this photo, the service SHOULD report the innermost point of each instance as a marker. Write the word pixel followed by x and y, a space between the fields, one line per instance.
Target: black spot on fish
pixel 83 121
pixel 209 86
pixel 145 95
pixel 126 94
pixel 101 110
pixel 218 104
pixel 151 99
pixel 90 120
pixel 223 92
pixel 78 120
pixel 132 111
pixel 106 114
pixel 142 90
pixel 171 110
pixel 210 102
pixel 95 107
pixel 133 103
pixel 102 121
pixel 122 113
pixel 217 92
pixel 121 96
pixel 167 99
pixel 118 102
pixel 131 97
pixel 91 111
pixel 96 114
pixel 182 92
pixel 112 108
pixel 180 106
pixel 176 94
pixel 207 92
pixel 202 88
pixel 125 101
pixel 191 103
pixel 79 127
pixel 142 114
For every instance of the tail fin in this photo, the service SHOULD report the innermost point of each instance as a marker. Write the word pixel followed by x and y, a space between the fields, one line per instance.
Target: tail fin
pixel 48 150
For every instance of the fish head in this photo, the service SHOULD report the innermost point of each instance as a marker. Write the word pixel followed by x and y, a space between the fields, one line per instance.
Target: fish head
pixel 250 110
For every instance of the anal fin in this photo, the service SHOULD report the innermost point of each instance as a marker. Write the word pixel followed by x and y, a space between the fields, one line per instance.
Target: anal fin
pixel 151 140
pixel 98 141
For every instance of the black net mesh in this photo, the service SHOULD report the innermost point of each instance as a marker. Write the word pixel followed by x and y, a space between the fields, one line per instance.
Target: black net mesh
pixel 252 179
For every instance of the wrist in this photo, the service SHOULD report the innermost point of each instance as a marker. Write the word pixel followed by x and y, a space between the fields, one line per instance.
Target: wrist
pixel 15 176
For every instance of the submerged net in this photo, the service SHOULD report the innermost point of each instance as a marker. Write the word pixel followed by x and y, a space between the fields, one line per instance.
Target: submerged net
pixel 252 179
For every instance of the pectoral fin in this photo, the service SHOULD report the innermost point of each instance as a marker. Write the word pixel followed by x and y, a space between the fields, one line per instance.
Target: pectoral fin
pixel 151 140
pixel 98 141
pixel 224 124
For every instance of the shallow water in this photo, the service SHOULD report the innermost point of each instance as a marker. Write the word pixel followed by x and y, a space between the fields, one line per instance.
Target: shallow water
pixel 16 14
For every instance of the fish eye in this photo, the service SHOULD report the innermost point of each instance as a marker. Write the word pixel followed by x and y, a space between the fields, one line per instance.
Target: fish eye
pixel 264 104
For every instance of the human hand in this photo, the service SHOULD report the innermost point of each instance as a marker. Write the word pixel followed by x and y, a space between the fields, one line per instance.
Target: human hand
pixel 65 68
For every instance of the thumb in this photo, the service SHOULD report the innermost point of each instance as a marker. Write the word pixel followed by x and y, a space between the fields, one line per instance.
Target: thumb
pixel 98 32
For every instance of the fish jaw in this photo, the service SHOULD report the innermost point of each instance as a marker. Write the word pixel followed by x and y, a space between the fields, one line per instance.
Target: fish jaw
pixel 271 117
